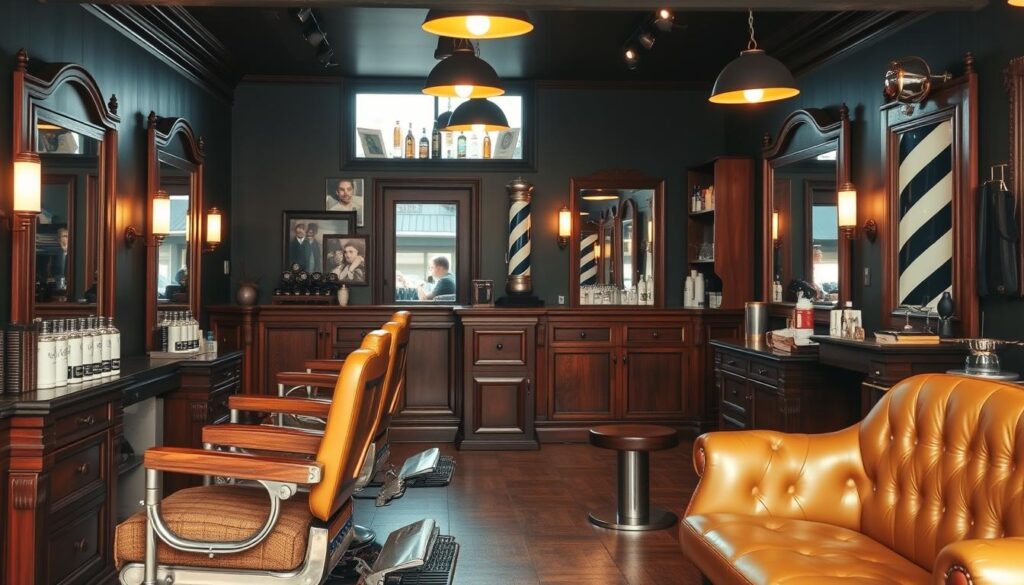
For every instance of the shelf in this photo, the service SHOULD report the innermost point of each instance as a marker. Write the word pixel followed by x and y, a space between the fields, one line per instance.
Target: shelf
pixel 702 212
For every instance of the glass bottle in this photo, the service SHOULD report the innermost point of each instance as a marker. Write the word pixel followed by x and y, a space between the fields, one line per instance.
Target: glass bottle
pixel 87 341
pixel 115 347
pixel 396 141
pixel 74 352
pixel 449 139
pixel 435 142
pixel 462 145
pixel 60 342
pixel 105 335
pixel 46 357
pixel 424 145
pixel 409 144
pixel 97 347
pixel 193 332
pixel 487 146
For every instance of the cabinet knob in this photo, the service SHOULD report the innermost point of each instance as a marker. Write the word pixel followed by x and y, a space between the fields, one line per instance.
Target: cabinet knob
pixel 730 362
pixel 654 334
pixel 583 334
pixel 80 545
pixel 362 334
pixel 86 421
pixel 762 372
pixel 82 468
pixel 500 347
pixel 625 358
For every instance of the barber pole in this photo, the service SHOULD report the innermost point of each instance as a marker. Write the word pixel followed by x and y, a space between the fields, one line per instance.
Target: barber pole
pixel 520 193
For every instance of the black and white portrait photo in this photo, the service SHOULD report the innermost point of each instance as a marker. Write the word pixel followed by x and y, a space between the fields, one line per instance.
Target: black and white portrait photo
pixel 305 233
pixel 345 257
pixel 346 194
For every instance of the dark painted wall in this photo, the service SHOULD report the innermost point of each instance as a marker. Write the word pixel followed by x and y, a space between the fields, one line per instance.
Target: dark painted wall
pixel 68 33
pixel 287 138
pixel 993 36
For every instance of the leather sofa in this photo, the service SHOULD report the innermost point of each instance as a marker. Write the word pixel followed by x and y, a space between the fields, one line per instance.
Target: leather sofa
pixel 928 488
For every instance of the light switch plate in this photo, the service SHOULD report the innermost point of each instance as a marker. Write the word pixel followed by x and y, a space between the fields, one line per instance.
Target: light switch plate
pixel 561 299
pixel 867 276
pixel 227 267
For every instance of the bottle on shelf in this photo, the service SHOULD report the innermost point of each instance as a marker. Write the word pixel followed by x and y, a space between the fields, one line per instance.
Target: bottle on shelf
pixel 211 343
pixel 88 340
pixel 60 342
pixel 803 317
pixel 698 290
pixel 46 357
pixel 396 141
pixel 105 334
pixel 835 320
pixel 474 146
pixel 777 291
pixel 424 145
pixel 462 145
pixel 74 352
pixel 435 142
pixel 115 347
pixel 487 146
pixel 163 336
pixel 410 142
pixel 173 341
pixel 97 348
pixel 449 142
pixel 688 289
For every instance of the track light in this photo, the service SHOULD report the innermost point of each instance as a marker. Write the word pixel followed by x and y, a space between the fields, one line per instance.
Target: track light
pixel 324 53
pixel 632 58
pixel 663 20
pixel 646 39
pixel 303 14
pixel 312 33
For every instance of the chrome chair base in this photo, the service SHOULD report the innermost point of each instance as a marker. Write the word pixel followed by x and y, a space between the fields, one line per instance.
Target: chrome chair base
pixel 657 519
pixel 361 536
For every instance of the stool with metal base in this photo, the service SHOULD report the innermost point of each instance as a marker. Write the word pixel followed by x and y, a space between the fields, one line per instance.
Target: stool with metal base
pixel 633 511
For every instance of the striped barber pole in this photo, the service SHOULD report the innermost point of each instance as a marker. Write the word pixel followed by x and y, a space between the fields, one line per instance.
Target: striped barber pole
pixel 519 238
pixel 588 260
pixel 925 260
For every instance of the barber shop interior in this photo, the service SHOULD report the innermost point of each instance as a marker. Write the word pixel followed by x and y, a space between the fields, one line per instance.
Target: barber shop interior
pixel 498 292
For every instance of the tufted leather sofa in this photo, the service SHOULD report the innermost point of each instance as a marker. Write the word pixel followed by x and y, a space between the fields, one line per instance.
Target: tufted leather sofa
pixel 928 488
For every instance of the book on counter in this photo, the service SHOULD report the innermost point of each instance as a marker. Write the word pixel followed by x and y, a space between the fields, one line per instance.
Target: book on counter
pixel 906 337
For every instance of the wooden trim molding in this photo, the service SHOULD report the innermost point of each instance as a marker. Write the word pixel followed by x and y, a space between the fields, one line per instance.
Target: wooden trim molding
pixel 1013 79
pixel 35 87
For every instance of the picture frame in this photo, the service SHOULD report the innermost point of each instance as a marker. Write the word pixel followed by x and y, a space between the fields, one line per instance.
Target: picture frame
pixel 483 293
pixel 505 145
pixel 308 253
pixel 372 141
pixel 346 194
pixel 347 256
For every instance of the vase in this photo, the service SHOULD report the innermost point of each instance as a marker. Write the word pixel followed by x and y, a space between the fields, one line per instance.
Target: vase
pixel 247 294
pixel 945 306
pixel 343 296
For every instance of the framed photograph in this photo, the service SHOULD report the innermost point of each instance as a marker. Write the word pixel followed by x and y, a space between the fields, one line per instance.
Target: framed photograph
pixel 346 257
pixel 483 292
pixel 346 194
pixel 303 234
pixel 505 146
pixel 373 143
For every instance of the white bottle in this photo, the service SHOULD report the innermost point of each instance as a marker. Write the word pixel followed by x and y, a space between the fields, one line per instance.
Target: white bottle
pixel 105 345
pixel 115 348
pixel 197 335
pixel 162 333
pixel 688 292
pixel 60 342
pixel 836 321
pixel 87 341
pixel 210 346
pixel 97 347
pixel 74 352
pixel 172 333
pixel 650 289
pixel 46 358
pixel 698 290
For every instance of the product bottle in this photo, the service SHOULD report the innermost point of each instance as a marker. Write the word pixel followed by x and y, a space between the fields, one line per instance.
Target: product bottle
pixel 804 317
pixel 396 141
pixel 487 146
pixel 474 146
pixel 462 145
pixel 688 292
pixel 835 321
pixel 424 145
pixel 211 343
pixel 650 289
pixel 46 358
pixel 60 342
pixel 641 289
pixel 163 328
pixel 195 331
pixel 87 343
pixel 435 142
pixel 410 143
pixel 97 348
pixel 74 352
pixel 115 347
pixel 172 333
pixel 698 290
pixel 105 335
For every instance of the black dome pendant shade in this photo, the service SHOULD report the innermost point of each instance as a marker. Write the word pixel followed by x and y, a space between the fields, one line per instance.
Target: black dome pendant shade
pixel 753 77
pixel 443 119
pixel 463 74
pixel 477 113
pixel 483 24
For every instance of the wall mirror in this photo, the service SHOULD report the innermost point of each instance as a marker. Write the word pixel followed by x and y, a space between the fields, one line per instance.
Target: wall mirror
pixel 931 173
pixel 62 257
pixel 174 262
pixel 618 216
pixel 802 172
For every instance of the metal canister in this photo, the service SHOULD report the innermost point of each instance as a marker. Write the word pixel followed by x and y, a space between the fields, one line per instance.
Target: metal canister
pixel 755 316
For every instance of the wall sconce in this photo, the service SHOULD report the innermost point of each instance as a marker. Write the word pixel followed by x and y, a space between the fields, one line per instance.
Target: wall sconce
pixel 130 235
pixel 847 211
pixel 909 80
pixel 564 226
pixel 161 216
pixel 213 229
pixel 775 230
pixel 27 183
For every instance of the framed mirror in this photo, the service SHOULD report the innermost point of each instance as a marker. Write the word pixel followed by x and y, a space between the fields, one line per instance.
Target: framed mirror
pixel 931 178
pixel 802 172
pixel 63 257
pixel 617 222
pixel 174 261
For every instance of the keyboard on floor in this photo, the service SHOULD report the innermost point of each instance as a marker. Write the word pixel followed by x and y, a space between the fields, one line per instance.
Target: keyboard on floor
pixel 438 570
pixel 440 477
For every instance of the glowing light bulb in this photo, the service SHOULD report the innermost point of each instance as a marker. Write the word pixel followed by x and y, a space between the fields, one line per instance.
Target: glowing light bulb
pixel 630 54
pixel 478 128
pixel 463 91
pixel 478 24
pixel 753 95
pixel 663 13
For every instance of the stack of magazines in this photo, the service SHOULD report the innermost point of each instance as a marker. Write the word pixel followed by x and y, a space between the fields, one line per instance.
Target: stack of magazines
pixel 906 337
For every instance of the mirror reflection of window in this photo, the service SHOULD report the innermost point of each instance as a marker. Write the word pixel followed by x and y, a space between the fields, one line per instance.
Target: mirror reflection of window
pixel 426 258
pixel 172 258
pixel 825 250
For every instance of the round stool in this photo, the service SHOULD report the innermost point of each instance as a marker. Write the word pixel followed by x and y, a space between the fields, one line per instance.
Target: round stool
pixel 633 510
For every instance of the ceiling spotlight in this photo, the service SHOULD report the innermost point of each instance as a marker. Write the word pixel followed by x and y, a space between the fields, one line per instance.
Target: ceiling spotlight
pixel 663 20
pixel 632 59
pixel 312 33
pixel 303 14
pixel 646 38
pixel 324 54
pixel 489 24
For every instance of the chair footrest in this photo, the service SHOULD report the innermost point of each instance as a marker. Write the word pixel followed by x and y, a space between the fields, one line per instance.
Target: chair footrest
pixel 439 477
pixel 438 570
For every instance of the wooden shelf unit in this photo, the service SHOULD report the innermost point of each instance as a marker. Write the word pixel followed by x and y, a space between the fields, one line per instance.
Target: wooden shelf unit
pixel 731 218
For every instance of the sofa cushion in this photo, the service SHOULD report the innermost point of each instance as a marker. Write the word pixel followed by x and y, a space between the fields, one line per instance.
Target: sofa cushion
pixel 739 548
pixel 222 513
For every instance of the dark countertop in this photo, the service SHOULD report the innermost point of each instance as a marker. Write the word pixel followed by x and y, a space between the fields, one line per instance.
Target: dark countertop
pixel 137 380
pixel 760 349
pixel 944 348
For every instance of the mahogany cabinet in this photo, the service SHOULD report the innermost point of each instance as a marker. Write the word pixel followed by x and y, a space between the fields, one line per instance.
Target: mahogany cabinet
pixel 5 447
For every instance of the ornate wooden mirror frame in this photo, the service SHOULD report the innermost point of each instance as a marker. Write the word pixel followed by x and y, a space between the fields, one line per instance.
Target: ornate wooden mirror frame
pixel 1014 79
pixel 954 102
pixel 617 179
pixel 160 135
pixel 36 86
pixel 828 135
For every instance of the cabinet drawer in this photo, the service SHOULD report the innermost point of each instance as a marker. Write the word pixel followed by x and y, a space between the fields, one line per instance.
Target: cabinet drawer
pixel 670 334
pixel 74 426
pixel 733 363
pixel 499 348
pixel 582 334
pixel 75 548
pixel 734 392
pixel 350 335
pixel 764 372
pixel 75 470
pixel 729 419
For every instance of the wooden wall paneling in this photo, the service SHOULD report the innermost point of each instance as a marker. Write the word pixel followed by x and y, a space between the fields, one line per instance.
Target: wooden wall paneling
pixel 734 233
pixel 285 347
pixel 5 453
pixel 431 398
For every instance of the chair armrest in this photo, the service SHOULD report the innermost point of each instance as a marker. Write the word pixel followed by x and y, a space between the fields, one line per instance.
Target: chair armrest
pixel 262 437
pixel 980 562
pixel 807 477
pixel 324 366
pixel 306 379
pixel 237 465
pixel 280 405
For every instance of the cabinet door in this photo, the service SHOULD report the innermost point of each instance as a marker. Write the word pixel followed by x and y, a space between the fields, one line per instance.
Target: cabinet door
pixel 768 408
pixel 582 382
pixel 285 349
pixel 734 402
pixel 501 406
pixel 655 383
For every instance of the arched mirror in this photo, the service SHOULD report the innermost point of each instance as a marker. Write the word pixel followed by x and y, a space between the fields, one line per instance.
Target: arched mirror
pixel 175 175
pixel 617 221
pixel 62 256
pixel 803 170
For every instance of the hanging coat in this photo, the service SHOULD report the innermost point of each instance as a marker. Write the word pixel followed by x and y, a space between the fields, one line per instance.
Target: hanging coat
pixel 998 236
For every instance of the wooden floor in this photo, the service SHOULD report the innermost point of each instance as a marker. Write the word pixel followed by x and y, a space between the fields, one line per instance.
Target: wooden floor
pixel 521 517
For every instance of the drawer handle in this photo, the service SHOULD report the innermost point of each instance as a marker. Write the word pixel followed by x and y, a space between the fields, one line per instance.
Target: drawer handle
pixel 82 468
pixel 762 372
pixel 80 545
pixel 730 362
pixel 878 372
pixel 500 347
pixel 655 335
pixel 86 421
pixel 583 334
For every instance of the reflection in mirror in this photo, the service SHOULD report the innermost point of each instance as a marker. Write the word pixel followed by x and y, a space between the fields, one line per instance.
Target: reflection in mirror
pixel 616 241
pixel 627 232
pixel 426 251
pixel 68 223
pixel 172 290
pixel 590 251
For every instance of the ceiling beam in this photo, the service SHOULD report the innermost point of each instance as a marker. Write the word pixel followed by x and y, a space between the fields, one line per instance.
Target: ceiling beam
pixel 786 5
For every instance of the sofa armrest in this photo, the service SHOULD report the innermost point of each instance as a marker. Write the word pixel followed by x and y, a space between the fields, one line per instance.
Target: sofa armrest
pixel 807 477
pixel 980 562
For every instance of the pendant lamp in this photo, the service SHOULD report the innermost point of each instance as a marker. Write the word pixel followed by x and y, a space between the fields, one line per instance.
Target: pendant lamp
pixel 753 77
pixel 463 74
pixel 477 115
pixel 487 24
